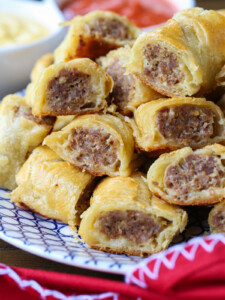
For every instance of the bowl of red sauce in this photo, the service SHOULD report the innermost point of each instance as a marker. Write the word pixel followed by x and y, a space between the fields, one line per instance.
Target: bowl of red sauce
pixel 146 14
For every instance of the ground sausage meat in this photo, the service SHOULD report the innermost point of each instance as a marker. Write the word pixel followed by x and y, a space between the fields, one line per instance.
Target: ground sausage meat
pixel 218 221
pixel 123 85
pixel 195 173
pixel 69 92
pixel 135 226
pixel 93 149
pixel 26 112
pixel 161 66
pixel 110 29
pixel 186 124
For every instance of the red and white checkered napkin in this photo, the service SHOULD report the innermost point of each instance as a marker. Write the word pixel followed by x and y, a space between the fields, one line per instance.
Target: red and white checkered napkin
pixel 192 270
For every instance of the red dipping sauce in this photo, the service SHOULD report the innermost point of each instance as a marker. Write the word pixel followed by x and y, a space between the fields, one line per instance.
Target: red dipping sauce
pixel 143 13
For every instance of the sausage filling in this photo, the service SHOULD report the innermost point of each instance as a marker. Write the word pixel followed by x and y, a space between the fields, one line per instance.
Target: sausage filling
pixel 186 124
pixel 69 92
pixel 84 200
pixel 109 29
pixel 93 150
pixel 135 226
pixel 123 85
pixel 161 66
pixel 195 173
pixel 218 221
pixel 26 112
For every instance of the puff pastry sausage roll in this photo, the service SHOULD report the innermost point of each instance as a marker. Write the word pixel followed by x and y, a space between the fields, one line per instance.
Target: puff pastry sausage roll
pixel 188 177
pixel 174 59
pixel 52 187
pixel 95 34
pixel 178 122
pixel 76 87
pixel 99 144
pixel 217 218
pixel 20 133
pixel 128 91
pixel 124 217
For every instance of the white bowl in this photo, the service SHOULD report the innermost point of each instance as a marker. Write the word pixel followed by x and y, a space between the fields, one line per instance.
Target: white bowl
pixel 16 61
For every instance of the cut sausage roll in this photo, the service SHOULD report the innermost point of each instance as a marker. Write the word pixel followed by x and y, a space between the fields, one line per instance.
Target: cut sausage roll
pixel 98 144
pixel 124 217
pixel 188 177
pixel 217 218
pixel 174 58
pixel 128 91
pixel 52 187
pixel 95 34
pixel 20 133
pixel 77 87
pixel 178 122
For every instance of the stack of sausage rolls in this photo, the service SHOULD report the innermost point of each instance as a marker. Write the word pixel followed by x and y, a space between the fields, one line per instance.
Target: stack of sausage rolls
pixel 96 113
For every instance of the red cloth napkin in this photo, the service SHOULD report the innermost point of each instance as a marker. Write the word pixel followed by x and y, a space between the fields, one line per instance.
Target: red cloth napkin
pixel 193 270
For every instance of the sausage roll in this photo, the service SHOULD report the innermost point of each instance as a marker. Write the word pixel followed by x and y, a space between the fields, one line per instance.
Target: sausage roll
pixel 128 91
pixel 124 217
pixel 52 187
pixel 77 87
pixel 188 177
pixel 98 144
pixel 95 34
pixel 20 133
pixel 217 218
pixel 178 122
pixel 174 59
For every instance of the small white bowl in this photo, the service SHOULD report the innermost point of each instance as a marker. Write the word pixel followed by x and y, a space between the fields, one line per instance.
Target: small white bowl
pixel 16 61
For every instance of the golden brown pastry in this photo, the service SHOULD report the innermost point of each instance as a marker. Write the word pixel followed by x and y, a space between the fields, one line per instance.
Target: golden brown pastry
pixel 98 144
pixel 62 121
pixel 188 177
pixel 20 133
pixel 220 77
pixel 183 56
pixel 95 34
pixel 77 87
pixel 174 123
pixel 128 91
pixel 217 218
pixel 52 187
pixel 41 64
pixel 124 217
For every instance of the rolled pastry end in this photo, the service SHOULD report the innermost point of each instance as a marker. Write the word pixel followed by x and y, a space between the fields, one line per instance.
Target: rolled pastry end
pixel 98 144
pixel 73 88
pixel 188 177
pixel 178 122
pixel 95 34
pixel 129 219
pixel 165 63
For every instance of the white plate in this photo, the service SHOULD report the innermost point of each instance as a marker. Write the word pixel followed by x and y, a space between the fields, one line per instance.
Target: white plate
pixel 54 240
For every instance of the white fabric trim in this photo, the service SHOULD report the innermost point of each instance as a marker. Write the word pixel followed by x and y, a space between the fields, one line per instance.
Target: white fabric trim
pixel 44 293
pixel 207 243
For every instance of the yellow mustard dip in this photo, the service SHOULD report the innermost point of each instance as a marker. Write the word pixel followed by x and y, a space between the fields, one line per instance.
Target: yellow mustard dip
pixel 16 30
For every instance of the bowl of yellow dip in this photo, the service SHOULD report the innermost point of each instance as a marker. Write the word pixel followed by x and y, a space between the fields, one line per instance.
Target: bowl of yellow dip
pixel 27 31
